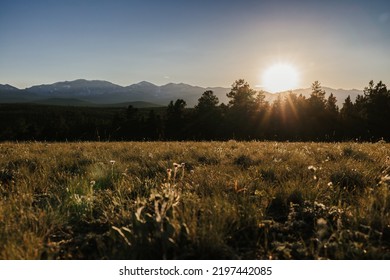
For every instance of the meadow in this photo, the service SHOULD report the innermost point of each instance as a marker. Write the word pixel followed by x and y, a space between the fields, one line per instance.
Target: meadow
pixel 194 200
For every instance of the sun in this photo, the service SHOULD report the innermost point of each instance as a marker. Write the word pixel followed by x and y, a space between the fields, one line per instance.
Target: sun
pixel 280 77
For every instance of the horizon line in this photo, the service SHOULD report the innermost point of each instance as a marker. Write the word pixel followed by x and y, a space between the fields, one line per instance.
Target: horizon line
pixel 175 83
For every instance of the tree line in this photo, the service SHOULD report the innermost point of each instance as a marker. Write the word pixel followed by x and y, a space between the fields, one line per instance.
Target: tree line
pixel 247 116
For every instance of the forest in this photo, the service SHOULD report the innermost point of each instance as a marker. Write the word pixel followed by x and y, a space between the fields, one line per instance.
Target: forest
pixel 247 116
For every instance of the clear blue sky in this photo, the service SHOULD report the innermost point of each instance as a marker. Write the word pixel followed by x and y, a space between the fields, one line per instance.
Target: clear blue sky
pixel 343 44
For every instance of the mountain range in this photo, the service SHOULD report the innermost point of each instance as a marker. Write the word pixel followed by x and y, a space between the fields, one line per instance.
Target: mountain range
pixel 144 94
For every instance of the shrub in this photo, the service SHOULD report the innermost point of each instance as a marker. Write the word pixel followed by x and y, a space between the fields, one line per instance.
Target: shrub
pixel 349 179
pixel 243 161
pixel 268 175
pixel 351 153
pixel 208 160
pixel 278 208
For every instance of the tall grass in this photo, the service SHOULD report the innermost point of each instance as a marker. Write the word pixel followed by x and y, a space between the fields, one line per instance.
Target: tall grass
pixel 194 200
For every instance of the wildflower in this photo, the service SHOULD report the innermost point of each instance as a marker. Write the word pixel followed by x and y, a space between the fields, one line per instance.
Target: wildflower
pixel 330 185
pixel 77 199
pixel 319 205
pixel 169 172
pixel 321 222
pixel 92 183
pixel 322 228
pixel 112 167
pixel 176 167
pixel 381 141
pixel 312 168
pixel 265 223
pixel 259 193
pixel 182 167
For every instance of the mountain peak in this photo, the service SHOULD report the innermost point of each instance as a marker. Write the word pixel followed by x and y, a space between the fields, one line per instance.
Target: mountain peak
pixel 145 83
pixel 182 85
pixel 79 87
pixel 84 82
pixel 8 87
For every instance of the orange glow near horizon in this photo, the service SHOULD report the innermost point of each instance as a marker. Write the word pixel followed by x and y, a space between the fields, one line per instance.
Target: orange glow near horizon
pixel 280 77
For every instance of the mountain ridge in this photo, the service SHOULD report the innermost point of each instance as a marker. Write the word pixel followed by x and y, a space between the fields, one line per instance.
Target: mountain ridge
pixel 101 92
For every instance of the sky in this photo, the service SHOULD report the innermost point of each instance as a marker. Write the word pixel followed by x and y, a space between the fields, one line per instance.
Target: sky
pixel 342 44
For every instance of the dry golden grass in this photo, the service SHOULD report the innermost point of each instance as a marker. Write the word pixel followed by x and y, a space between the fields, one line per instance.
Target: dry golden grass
pixel 229 200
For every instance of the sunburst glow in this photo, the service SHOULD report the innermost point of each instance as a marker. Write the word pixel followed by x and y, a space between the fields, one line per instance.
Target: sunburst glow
pixel 280 77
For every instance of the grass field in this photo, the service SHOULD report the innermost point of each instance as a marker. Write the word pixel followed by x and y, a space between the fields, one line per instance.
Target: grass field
pixel 194 200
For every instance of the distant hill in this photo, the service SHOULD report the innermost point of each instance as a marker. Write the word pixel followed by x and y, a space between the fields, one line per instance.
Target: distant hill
pixel 144 94
pixel 135 104
pixel 82 103
pixel 64 102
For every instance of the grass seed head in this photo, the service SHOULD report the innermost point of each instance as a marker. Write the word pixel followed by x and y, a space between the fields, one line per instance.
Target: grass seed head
pixel 169 173
pixel 385 179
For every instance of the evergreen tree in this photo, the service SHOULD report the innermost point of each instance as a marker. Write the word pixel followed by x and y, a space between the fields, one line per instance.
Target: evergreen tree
pixel 331 104
pixel 316 112
pixel 331 124
pixel 176 120
pixel 207 117
pixel 351 120
pixel 241 113
pixel 376 104
pixel 241 95
pixel 208 101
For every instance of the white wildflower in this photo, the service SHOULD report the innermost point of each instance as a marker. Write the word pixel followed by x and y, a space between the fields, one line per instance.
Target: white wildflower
pixel 312 168
pixel 321 222
pixel 319 205
pixel 112 167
